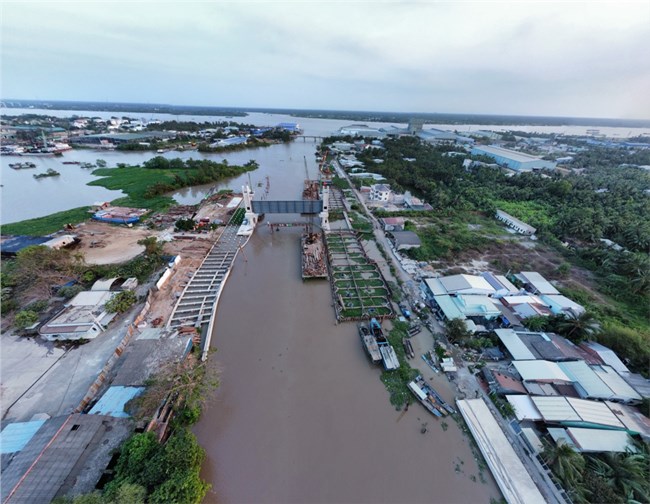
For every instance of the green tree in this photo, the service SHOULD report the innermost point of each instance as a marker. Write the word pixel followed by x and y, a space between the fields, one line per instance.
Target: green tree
pixel 185 225
pixel 595 490
pixel 566 463
pixel 457 331
pixel 25 319
pixel 121 302
pixel 152 247
pixel 577 328
pixel 40 268
pixel 537 323
pixel 129 493
pixel 625 473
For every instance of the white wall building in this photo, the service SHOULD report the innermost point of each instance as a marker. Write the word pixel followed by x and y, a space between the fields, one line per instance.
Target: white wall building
pixel 514 223
pixel 380 192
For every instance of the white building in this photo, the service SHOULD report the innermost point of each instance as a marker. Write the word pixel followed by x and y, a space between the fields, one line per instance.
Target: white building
pixel 84 317
pixel 536 283
pixel 514 160
pixel 380 192
pixel 514 223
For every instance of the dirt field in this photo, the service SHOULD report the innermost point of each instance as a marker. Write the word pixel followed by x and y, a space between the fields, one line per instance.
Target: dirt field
pixel 103 243
pixel 516 253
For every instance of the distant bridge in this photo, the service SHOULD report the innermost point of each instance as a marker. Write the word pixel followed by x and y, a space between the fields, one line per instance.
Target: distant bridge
pixel 287 207
pixel 311 137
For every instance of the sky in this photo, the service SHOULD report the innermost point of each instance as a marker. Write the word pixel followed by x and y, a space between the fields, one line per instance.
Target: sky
pixel 547 58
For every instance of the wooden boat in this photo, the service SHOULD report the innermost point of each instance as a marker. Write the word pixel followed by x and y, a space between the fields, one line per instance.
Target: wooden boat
pixel 428 358
pixel 429 398
pixel 49 173
pixel 388 355
pixel 22 166
pixel 391 362
pixel 441 401
pixel 369 344
pixel 423 397
pixel 408 348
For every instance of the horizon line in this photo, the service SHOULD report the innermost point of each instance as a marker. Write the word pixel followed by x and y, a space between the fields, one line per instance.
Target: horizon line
pixel 290 109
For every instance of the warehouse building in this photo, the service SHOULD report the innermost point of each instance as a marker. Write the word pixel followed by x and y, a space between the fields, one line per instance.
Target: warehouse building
pixel 517 161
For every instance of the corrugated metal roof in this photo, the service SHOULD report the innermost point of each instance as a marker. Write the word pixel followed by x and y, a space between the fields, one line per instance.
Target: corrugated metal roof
pixel 540 283
pixel 631 418
pixel 533 439
pixel 541 370
pixel 615 383
pixel 582 374
pixel 507 153
pixel 594 412
pixel 459 283
pixel 476 305
pixel 560 435
pixel 499 282
pixel 434 285
pixel 113 401
pixel 598 440
pixel 15 436
pixel 449 308
pixel 526 298
pixel 515 346
pixel 103 284
pixel 525 408
pixel 509 472
pixel 559 303
pixel 91 298
pixel 555 409
pixel 608 356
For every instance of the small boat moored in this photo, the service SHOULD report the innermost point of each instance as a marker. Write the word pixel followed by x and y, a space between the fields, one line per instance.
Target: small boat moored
pixel 429 398
pixel 22 166
pixel 369 344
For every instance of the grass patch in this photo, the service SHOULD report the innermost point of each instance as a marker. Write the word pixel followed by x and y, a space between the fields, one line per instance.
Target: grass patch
pixel 48 224
pixel 531 212
pixel 135 182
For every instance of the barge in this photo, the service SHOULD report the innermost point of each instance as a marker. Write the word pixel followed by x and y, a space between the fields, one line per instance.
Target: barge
pixel 388 355
pixel 313 260
pixel 22 166
pixel 421 394
pixel 369 344
pixel 429 398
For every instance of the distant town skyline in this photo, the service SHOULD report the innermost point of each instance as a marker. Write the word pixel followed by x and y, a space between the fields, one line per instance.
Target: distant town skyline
pixel 580 59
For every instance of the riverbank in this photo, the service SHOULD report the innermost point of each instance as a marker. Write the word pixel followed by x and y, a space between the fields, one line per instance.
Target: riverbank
pixel 313 403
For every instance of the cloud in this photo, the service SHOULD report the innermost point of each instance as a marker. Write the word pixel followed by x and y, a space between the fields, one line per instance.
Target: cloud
pixel 543 58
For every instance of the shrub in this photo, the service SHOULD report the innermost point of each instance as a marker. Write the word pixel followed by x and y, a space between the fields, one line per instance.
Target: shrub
pixel 70 291
pixel 25 319
pixel 121 302
pixel 37 306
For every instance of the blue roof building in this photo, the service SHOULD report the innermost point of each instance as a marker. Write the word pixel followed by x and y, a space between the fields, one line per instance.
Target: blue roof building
pixel 292 127
pixel 517 161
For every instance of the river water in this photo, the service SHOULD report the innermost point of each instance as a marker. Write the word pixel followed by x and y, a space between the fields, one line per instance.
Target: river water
pixel 300 416
pixel 23 197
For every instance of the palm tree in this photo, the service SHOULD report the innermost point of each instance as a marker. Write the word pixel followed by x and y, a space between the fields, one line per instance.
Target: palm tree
pixel 579 327
pixel 566 463
pixel 626 473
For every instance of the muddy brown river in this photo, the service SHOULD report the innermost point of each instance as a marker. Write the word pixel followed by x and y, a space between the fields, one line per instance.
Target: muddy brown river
pixel 301 415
